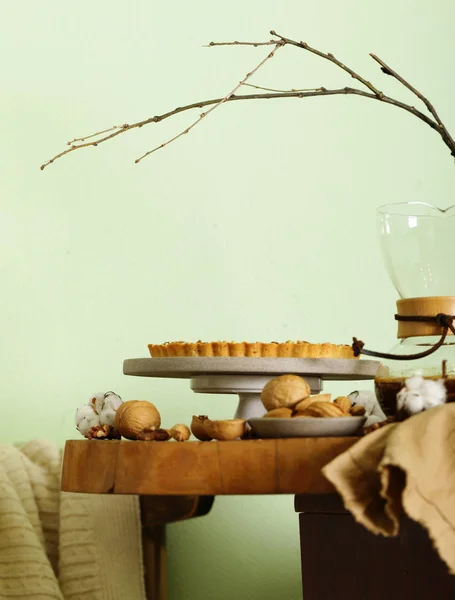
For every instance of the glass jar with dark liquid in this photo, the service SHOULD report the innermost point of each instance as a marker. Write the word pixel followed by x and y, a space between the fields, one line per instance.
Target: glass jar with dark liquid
pixel 392 374
pixel 418 247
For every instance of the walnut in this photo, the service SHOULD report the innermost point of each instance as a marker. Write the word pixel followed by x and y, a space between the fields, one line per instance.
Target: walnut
pixel 100 432
pixel 285 391
pixel 153 435
pixel 137 419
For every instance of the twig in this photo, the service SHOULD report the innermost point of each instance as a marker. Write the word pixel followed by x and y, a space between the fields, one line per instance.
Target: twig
pixel 255 44
pixel 373 94
pixel 329 56
pixel 158 118
pixel 119 130
pixel 222 101
pixel 266 89
pixel 431 109
pixel 92 135
pixel 87 144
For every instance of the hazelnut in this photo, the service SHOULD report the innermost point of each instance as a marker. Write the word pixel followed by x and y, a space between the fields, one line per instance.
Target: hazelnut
pixel 225 430
pixel 285 391
pixel 180 433
pixel 198 429
pixel 137 419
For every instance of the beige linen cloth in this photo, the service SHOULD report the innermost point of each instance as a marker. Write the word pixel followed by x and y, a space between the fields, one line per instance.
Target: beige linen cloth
pixel 59 545
pixel 410 466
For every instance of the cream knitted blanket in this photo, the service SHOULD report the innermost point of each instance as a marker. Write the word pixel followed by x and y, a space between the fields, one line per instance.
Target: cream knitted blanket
pixel 60 545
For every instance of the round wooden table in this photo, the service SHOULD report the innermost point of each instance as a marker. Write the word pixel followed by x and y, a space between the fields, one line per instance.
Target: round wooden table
pixel 175 481
pixel 278 466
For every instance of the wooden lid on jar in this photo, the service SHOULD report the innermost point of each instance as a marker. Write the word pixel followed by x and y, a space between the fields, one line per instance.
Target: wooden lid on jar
pixel 429 306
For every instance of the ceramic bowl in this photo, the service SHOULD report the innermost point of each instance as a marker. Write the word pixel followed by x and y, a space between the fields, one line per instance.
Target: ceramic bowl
pixel 302 427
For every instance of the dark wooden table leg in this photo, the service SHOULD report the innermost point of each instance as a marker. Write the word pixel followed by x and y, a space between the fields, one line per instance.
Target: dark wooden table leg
pixel 341 560
pixel 156 511
pixel 154 557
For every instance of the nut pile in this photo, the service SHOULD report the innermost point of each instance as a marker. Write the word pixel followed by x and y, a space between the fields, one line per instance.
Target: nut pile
pixel 106 416
pixel 284 397
pixel 289 396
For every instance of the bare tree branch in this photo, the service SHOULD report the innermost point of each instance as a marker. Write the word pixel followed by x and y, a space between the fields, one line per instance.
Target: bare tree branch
pixel 222 101
pixel 431 109
pixel 373 94
pixel 331 58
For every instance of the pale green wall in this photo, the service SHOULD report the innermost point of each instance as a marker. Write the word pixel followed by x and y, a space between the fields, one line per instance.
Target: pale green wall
pixel 255 226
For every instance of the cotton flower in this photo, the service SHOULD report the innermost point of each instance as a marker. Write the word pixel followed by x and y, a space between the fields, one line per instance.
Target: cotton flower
pixel 105 404
pixel 98 412
pixel 86 418
pixel 410 401
pixel 107 413
pixel 419 394
pixel 434 392
pixel 97 401
pixel 414 383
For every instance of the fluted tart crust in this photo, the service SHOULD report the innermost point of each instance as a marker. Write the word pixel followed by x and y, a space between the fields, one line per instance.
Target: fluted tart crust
pixel 288 349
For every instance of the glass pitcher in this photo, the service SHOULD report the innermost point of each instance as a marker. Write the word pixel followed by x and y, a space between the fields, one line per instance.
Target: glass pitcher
pixel 418 247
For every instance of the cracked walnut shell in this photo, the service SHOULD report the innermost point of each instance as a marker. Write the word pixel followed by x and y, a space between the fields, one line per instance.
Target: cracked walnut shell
pixel 198 428
pixel 230 429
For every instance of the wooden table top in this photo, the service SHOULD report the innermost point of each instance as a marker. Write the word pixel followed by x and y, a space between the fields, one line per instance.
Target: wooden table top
pixel 278 466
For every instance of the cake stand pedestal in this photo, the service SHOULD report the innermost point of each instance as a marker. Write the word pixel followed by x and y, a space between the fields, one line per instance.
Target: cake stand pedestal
pixel 246 376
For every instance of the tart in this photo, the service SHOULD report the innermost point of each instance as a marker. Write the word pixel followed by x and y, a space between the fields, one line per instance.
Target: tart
pixel 288 349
